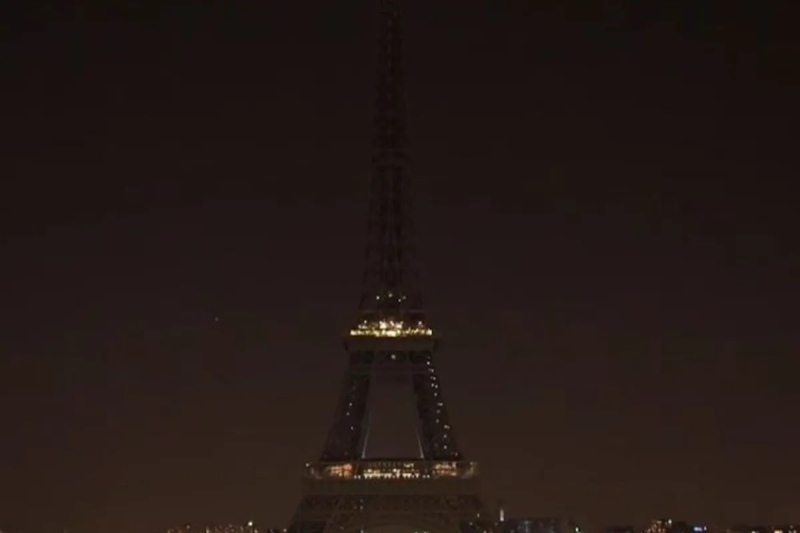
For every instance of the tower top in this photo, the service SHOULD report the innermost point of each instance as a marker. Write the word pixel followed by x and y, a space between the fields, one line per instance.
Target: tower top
pixel 391 299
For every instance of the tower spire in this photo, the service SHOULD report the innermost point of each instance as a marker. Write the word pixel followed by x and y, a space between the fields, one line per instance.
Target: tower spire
pixel 390 285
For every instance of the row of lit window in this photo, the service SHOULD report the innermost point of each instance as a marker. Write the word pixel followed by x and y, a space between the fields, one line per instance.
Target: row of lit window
pixel 390 328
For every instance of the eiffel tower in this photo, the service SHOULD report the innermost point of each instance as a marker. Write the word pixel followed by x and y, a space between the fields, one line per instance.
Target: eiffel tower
pixel 391 459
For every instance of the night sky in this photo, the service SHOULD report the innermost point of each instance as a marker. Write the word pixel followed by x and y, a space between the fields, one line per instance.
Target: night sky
pixel 607 229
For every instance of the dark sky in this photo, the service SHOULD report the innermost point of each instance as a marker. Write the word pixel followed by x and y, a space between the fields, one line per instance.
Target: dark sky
pixel 607 228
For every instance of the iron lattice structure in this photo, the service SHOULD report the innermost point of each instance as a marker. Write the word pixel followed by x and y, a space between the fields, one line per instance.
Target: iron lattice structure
pixel 437 489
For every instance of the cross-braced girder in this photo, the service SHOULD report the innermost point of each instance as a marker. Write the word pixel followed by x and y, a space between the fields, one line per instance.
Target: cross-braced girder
pixel 431 513
pixel 347 438
pixel 390 285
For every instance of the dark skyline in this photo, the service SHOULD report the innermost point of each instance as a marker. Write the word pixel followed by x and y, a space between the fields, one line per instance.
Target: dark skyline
pixel 607 235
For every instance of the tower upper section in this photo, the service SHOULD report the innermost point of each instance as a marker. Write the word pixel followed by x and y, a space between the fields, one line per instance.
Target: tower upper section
pixel 391 300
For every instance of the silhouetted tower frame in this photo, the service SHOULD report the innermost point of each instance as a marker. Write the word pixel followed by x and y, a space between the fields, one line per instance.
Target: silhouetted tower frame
pixel 436 490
